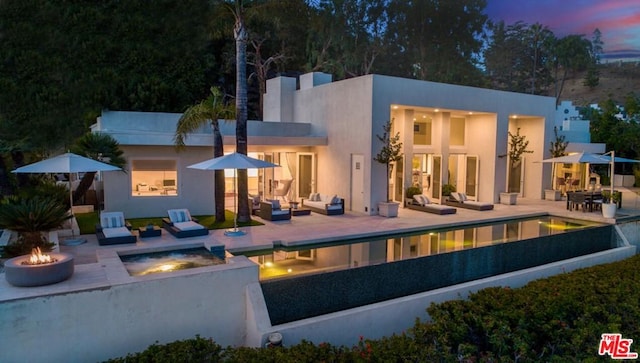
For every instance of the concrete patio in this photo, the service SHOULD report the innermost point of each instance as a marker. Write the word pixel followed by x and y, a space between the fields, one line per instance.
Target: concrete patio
pixel 226 301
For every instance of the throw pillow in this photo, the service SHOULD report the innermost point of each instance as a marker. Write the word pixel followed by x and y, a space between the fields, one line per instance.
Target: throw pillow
pixel 335 199
pixel 316 197
pixel 275 204
pixel 425 200
pixel 418 199
pixel 456 197
pixel 311 196
pixel 463 196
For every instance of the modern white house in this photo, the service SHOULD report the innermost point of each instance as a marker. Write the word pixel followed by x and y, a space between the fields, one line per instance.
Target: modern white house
pixel 323 134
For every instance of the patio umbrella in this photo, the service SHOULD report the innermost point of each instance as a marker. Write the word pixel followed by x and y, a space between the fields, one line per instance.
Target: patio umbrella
pixel 592 159
pixel 66 163
pixel 233 161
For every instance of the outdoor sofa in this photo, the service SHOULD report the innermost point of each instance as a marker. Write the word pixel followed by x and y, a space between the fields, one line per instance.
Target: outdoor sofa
pixel 423 204
pixel 271 210
pixel 324 204
pixel 113 229
pixel 460 200
pixel 181 224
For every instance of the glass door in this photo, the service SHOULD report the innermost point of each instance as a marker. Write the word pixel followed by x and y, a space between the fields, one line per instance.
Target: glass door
pixel 437 178
pixel 471 177
pixel 265 178
pixel 306 175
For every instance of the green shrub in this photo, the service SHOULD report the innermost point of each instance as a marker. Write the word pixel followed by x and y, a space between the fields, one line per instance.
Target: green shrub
pixel 447 189
pixel 29 217
pixel 187 351
pixel 411 191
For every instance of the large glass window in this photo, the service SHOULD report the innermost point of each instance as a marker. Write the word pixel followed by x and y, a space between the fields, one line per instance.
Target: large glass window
pixel 154 178
pixel 422 131
pixel 457 131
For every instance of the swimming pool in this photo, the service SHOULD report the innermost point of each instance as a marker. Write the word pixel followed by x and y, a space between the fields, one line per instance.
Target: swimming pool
pixel 340 255
pixel 315 280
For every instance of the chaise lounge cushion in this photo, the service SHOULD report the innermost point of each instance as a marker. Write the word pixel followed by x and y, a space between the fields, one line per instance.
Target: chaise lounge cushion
pixel 181 224
pixel 116 232
pixel 113 229
pixel 460 200
pixel 423 204
pixel 188 226
pixel 179 215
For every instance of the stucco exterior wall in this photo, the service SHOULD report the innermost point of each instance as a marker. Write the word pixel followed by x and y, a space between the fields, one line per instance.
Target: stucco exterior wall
pixel 343 111
pixel 195 187
pixel 113 319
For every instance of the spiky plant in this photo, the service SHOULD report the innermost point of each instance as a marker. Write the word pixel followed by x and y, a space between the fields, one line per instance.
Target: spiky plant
pixel 29 217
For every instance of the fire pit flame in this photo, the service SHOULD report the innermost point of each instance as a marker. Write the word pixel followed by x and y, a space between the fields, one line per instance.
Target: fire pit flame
pixel 37 258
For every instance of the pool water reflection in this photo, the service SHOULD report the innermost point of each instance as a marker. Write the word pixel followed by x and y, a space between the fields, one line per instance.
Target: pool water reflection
pixel 357 253
pixel 166 261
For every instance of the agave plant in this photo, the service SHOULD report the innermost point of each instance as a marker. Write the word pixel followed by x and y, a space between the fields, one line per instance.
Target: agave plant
pixel 29 217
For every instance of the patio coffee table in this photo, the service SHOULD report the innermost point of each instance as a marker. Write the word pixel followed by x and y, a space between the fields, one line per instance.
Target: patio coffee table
pixel 300 212
pixel 155 232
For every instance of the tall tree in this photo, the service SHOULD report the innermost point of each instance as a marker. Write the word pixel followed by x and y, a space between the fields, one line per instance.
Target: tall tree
pixel 518 57
pixel 571 55
pixel 241 36
pixel 437 40
pixel 210 110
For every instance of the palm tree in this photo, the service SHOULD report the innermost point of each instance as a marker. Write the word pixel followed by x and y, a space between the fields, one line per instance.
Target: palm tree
pixel 241 35
pixel 97 146
pixel 209 110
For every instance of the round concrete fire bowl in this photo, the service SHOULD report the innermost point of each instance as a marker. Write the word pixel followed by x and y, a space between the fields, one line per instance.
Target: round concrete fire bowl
pixel 19 274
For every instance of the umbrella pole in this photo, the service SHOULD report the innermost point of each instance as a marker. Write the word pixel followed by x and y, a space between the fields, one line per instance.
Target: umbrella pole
pixel 234 231
pixel 73 240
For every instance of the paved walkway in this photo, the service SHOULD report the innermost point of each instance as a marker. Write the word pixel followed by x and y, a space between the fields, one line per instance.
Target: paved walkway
pixel 317 228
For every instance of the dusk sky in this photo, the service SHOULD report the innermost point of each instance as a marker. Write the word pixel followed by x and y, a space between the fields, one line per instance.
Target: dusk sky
pixel 618 20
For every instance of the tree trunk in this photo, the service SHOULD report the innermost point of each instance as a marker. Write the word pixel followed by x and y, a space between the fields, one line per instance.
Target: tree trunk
pixel 241 36
pixel 84 185
pixel 18 160
pixel 219 192
pixel 5 184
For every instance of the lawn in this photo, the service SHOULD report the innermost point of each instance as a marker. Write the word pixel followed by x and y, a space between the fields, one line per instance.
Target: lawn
pixel 87 221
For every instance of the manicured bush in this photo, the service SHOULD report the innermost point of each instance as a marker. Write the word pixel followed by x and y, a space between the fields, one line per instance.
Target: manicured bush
pixel 558 319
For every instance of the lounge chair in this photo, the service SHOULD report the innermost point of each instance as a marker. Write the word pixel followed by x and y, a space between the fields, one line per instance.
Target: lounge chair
pixel 181 224
pixel 113 229
pixel 272 211
pixel 460 200
pixel 423 204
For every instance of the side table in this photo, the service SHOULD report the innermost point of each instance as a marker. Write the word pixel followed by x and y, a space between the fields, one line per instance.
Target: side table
pixel 143 232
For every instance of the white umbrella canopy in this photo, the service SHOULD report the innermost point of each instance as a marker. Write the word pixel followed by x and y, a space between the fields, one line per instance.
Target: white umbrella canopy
pixel 579 158
pixel 233 161
pixel 66 163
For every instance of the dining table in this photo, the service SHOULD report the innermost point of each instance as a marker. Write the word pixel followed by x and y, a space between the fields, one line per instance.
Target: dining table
pixel 588 200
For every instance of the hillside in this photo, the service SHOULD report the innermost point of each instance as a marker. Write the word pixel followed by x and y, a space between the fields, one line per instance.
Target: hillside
pixel 616 81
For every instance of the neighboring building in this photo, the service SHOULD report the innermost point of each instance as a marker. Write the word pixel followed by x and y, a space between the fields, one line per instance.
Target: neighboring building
pixel 576 130
pixel 323 134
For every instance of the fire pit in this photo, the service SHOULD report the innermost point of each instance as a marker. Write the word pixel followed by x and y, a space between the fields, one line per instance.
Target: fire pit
pixel 38 269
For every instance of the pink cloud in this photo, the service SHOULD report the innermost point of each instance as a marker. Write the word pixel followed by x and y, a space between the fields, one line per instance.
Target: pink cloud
pixel 618 21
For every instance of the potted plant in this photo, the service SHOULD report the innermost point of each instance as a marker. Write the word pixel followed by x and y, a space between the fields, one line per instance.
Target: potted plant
pixel 389 153
pixel 557 149
pixel 447 189
pixel 517 146
pixel 610 203
pixel 410 192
